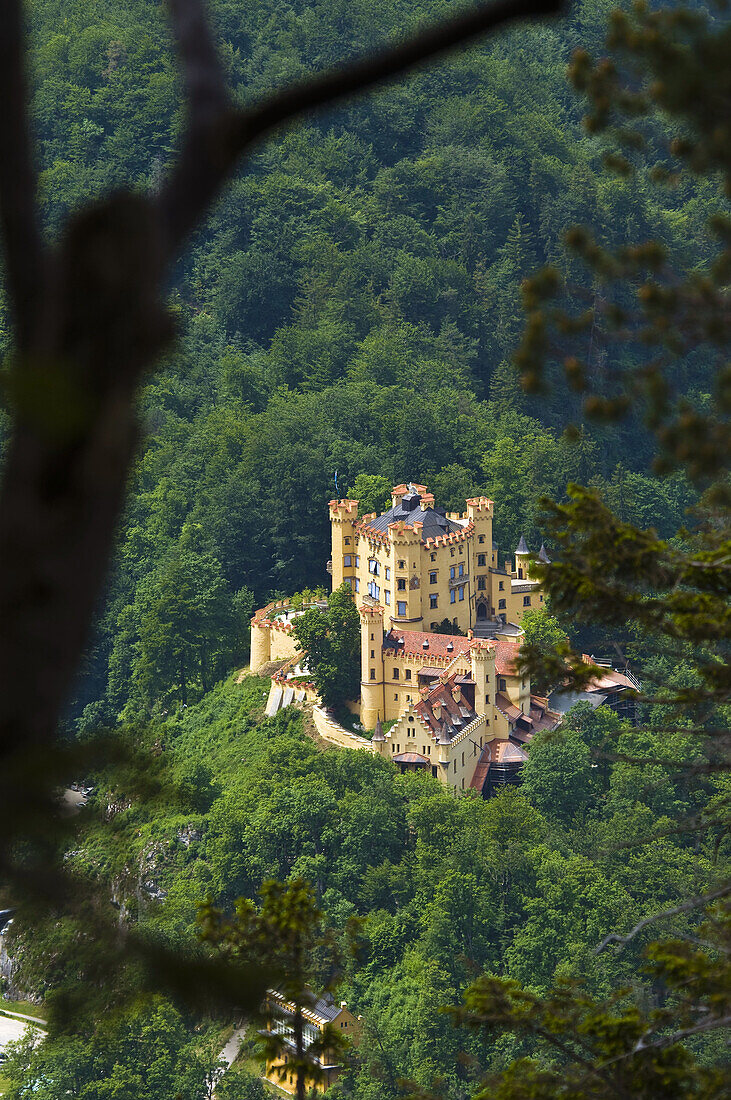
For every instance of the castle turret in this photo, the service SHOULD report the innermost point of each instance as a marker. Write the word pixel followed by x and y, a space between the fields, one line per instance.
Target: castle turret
pixel 522 560
pixel 482 659
pixel 371 665
pixel 343 514
pixel 261 643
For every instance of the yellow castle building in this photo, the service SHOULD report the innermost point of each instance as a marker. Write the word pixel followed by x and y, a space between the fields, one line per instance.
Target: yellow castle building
pixel 426 565
pixel 440 636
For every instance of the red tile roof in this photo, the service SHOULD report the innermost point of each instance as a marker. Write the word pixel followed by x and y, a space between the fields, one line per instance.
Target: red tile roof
pixel 454 715
pixel 410 758
pixel 414 643
pixel 503 751
pixel 505 655
pixel 510 711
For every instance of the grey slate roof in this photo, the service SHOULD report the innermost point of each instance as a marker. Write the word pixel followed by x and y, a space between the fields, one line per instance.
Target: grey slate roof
pixel 543 556
pixel 522 547
pixel 434 520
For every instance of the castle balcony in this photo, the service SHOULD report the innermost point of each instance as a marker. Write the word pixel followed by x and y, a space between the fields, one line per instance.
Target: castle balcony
pixel 454 582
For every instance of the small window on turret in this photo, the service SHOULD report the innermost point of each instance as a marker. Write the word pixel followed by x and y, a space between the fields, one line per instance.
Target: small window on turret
pixel 481 538
pixel 346 540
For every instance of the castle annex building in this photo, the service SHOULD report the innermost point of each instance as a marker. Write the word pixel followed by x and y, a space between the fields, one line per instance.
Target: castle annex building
pixel 425 565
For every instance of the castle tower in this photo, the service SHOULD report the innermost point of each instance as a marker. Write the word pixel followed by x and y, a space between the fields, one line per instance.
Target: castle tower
pixel 406 564
pixel 522 560
pixel 480 511
pixel 371 666
pixel 261 644
pixel 343 514
pixel 482 659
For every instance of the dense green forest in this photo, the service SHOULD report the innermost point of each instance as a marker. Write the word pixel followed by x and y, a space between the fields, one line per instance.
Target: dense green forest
pixel 524 885
pixel 351 308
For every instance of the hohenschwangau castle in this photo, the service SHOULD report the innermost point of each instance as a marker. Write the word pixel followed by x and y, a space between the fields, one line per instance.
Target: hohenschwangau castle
pixel 454 703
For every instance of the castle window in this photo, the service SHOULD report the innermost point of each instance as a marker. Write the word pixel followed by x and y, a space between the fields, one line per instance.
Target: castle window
pixel 357 584
pixel 526 601
pixel 395 674
pixel 402 565
pixel 502 585
pixel 461 550
pixel 433 557
pixel 481 538
pixel 501 683
pixel 357 561
pixel 373 653
pixel 487 698
pixel 451 552
pixel 461 569
pixel 463 784
pixel 401 607
pixel 453 595
pixel 374 567
pixel 388 573
pixel 401 584
pixel 387 594
pixel 346 540
pixel 348 581
pixel 520 574
pixel 408 698
pixel 461 592
pixel 433 600
pixel 408 677
pixel 451 573
pixel 501 605
pixel 482 583
pixel 433 578
pixel 541 598
pixel 462 759
pixel 480 559
pixel 395 698
pixel 373 674
pixel 348 560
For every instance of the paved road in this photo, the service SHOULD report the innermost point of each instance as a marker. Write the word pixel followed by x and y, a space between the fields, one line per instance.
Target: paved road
pixel 230 1052
pixel 11 1030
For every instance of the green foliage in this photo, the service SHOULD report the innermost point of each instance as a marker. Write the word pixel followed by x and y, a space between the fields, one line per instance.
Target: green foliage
pixel 611 1047
pixel 373 492
pixel 331 640
pixel 544 632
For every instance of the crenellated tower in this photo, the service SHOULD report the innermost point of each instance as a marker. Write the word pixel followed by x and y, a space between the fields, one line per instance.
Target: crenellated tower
pixel 343 515
pixel 371 666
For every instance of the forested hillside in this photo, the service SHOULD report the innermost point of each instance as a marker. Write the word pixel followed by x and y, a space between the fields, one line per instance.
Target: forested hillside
pixel 523 886
pixel 350 310
pixel 351 307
